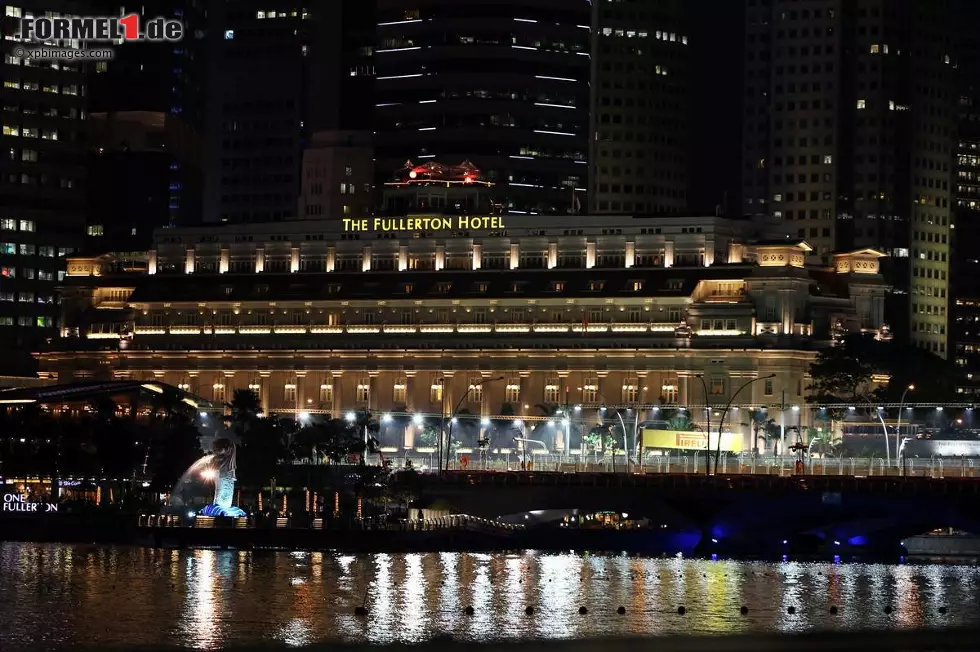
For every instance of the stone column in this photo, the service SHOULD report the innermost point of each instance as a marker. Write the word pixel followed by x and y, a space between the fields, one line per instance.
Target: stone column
pixel 294 260
pixel 630 253
pixel 259 260
pixel 224 260
pixel 189 261
pixel 477 256
pixel 669 253
pixel 366 258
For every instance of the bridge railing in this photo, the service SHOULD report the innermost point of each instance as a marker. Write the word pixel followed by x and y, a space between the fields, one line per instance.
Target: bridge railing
pixel 747 464
pixel 828 484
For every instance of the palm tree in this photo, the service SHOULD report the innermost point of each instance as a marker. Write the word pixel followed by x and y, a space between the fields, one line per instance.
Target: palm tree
pixel 245 408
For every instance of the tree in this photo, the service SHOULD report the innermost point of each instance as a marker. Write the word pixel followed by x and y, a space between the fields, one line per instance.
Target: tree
pixel 842 373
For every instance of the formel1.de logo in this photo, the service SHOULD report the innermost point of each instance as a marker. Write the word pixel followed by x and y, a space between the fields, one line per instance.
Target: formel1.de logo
pixel 101 29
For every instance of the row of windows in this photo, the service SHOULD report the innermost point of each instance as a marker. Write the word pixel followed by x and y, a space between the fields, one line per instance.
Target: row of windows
pixel 30 322
pixel 45 87
pixel 30 273
pixel 26 297
pixel 13 249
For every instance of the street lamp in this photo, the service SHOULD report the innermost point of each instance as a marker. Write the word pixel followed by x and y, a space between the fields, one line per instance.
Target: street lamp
pixel 884 428
pixel 707 415
pixel 453 420
pixel 725 413
pixel 898 428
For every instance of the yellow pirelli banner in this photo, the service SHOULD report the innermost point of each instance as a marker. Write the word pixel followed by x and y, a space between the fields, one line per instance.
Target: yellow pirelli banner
pixel 690 440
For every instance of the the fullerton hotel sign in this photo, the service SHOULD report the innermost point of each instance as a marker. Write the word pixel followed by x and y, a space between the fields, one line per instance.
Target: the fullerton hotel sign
pixel 427 223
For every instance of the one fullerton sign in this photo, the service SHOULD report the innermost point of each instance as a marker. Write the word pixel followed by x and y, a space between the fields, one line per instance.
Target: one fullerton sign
pixel 19 503
pixel 429 223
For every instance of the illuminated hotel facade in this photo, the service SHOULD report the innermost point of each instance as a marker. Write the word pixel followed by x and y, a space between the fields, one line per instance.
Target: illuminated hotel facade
pixel 333 316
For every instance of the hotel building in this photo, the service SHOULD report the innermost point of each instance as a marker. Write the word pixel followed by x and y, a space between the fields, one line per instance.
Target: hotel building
pixel 411 314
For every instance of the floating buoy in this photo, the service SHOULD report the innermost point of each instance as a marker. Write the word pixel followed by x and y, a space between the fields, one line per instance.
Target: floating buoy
pixel 621 611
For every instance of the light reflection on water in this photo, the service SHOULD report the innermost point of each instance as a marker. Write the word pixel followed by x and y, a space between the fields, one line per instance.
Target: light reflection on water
pixel 56 595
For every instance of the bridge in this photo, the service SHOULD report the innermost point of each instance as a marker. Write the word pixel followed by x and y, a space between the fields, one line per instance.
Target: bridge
pixel 738 514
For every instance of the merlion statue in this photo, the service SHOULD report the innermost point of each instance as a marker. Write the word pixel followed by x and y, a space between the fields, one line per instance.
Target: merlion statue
pixel 223 472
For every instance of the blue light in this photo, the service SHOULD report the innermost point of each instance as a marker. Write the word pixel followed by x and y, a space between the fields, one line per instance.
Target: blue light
pixel 714 556
pixel 859 540
pixel 836 543
pixel 785 542
pixel 714 541
pixel 785 557
pixel 836 559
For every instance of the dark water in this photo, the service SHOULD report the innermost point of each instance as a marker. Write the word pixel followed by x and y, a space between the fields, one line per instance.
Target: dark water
pixel 59 595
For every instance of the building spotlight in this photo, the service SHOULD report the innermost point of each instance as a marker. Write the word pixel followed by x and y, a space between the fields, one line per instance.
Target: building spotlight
pixel 304 416
pixel 386 418
pixel 551 423
pixel 417 419
pixel 204 415
pixel 454 420
pixel 484 421
pixel 350 416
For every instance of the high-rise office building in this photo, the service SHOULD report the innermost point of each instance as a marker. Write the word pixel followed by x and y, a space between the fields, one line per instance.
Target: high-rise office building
pixel 503 84
pixel 277 74
pixel 640 107
pixel 847 139
pixel 965 269
pixel 42 180
pixel 147 119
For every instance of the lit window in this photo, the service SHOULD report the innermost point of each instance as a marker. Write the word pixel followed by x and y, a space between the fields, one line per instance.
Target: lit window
pixel 435 393
pixel 862 104
pixel 552 392
pixel 512 392
pixel 400 393
pixel 590 391
pixel 8 224
pixel 717 386
pixel 289 392
pixel 767 389
pixel 260 14
pixel 229 35
pixel 475 391
pixel 363 391
pixel 95 229
pixel 631 391
pixel 13 12
pixel 326 393
pixel 828 159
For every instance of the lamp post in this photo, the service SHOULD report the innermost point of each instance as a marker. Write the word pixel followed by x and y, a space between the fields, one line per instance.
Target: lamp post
pixel 622 424
pixel 725 413
pixel 452 418
pixel 898 428
pixel 707 415
pixel 884 429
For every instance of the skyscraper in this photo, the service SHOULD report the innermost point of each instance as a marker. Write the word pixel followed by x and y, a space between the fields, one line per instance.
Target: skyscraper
pixel 965 271
pixel 147 118
pixel 501 83
pixel 42 180
pixel 640 107
pixel 848 133
pixel 277 74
